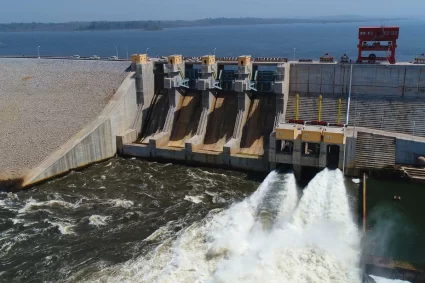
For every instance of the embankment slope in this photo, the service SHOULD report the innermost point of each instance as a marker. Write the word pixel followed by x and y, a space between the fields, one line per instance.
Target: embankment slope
pixel 43 103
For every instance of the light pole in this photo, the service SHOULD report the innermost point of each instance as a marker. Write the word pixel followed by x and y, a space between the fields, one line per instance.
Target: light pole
pixel 116 49
pixel 147 51
pixel 294 53
pixel 214 51
pixel 126 49
pixel 38 51
pixel 355 122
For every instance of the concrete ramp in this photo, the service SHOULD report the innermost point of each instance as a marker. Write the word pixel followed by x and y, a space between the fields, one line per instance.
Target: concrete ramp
pixel 156 118
pixel 259 125
pixel 221 122
pixel 187 119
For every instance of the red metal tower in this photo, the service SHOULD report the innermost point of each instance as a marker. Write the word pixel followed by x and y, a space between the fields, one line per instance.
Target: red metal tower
pixel 382 39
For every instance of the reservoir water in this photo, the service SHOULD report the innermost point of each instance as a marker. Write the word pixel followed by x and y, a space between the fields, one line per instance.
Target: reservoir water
pixel 309 41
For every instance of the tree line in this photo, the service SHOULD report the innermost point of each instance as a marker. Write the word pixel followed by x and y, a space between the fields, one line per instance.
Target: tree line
pixel 157 25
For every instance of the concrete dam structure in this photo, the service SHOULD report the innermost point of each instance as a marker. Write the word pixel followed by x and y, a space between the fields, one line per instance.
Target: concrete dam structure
pixel 213 115
pixel 257 115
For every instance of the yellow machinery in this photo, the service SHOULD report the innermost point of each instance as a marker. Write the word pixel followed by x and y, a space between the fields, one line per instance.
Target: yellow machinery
pixel 312 133
pixel 208 60
pixel 244 60
pixel 319 118
pixel 139 58
pixel 175 59
pixel 288 132
pixel 297 106
pixel 334 135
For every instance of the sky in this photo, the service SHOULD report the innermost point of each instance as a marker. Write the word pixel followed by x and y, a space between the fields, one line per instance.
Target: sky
pixel 117 10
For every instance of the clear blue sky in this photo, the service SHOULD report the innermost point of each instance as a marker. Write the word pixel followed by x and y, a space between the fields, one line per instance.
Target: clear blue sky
pixel 112 10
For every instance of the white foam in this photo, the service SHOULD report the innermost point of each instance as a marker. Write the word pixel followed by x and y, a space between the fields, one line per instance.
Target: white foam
pixel 356 181
pixel 315 241
pixel 121 203
pixel 98 220
pixel 65 228
pixel 16 220
pixel 194 199
pixel 385 280
pixel 32 204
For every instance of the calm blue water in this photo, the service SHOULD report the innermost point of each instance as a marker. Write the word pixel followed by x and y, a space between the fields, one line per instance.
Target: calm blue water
pixel 310 41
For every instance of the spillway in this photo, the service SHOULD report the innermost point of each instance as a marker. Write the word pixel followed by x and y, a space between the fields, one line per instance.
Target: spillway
pixel 259 125
pixel 271 236
pixel 156 118
pixel 187 118
pixel 221 122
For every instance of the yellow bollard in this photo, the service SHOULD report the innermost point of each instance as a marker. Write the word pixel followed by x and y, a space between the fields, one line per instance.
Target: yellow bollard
pixel 297 106
pixel 320 108
pixel 339 111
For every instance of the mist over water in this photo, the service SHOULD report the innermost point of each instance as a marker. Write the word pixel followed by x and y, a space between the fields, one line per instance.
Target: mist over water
pixel 135 221
pixel 271 236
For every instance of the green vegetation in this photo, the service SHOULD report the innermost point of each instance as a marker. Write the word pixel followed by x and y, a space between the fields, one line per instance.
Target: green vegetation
pixel 158 25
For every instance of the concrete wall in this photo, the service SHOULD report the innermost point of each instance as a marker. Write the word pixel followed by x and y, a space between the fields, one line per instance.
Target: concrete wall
pixel 407 151
pixel 368 79
pixel 97 141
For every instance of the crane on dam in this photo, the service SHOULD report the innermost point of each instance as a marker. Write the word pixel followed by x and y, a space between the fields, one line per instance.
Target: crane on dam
pixel 377 39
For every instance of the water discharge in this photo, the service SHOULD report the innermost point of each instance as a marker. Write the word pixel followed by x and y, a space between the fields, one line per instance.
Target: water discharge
pixel 271 236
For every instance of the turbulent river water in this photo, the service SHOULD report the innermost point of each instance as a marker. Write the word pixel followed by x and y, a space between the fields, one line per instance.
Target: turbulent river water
pixel 135 221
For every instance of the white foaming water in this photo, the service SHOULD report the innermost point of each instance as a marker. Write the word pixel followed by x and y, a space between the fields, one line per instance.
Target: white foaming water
pixel 385 280
pixel 32 204
pixel 98 220
pixel 64 227
pixel 121 203
pixel 314 242
pixel 194 199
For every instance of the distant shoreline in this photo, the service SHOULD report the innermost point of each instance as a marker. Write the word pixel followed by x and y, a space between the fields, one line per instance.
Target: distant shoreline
pixel 161 25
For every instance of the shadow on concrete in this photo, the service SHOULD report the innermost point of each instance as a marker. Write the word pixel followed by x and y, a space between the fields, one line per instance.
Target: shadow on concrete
pixel 186 119
pixel 11 185
pixel 259 124
pixel 156 116
pixel 221 122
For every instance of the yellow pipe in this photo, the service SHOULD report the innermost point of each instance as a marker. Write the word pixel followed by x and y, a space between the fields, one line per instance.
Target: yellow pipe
pixel 320 108
pixel 297 106
pixel 339 111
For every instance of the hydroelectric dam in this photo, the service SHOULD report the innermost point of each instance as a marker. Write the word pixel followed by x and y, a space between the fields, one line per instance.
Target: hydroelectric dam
pixel 243 113
pixel 256 114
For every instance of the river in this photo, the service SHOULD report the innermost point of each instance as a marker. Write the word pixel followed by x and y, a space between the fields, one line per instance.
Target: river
pixel 127 219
